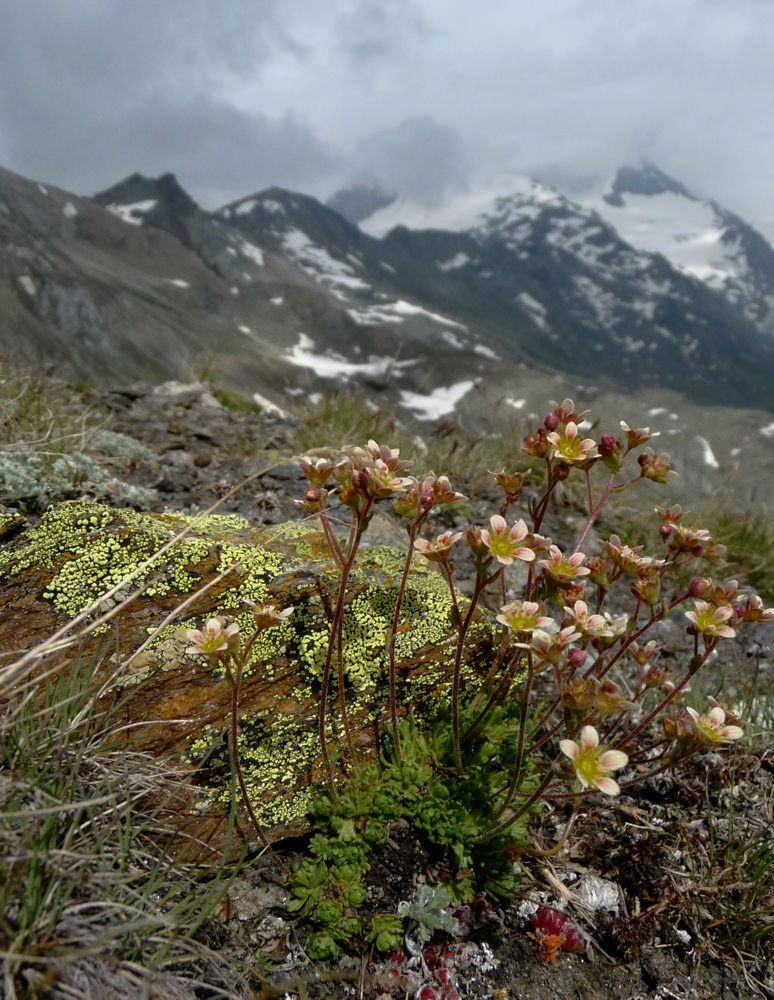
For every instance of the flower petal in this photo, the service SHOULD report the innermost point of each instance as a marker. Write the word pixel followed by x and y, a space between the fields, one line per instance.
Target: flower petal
pixel 589 738
pixel 716 716
pixel 569 748
pixel 608 786
pixel 613 760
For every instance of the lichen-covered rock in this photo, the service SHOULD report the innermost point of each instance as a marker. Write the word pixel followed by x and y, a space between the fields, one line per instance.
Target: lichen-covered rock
pixel 81 550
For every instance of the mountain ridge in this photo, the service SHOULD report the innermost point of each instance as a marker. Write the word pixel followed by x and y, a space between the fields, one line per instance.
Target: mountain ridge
pixel 537 280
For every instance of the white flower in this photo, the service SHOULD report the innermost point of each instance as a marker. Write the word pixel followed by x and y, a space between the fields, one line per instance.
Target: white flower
pixel 594 766
pixel 712 726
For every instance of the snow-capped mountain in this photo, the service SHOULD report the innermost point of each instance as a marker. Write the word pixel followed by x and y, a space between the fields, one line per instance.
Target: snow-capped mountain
pixel 292 297
pixel 657 214
pixel 589 295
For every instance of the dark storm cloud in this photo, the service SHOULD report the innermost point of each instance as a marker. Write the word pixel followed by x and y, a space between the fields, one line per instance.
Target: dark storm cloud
pixel 236 94
pixel 92 90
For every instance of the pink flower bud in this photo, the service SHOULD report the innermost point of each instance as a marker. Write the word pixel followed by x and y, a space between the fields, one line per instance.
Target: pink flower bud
pixel 699 587
pixel 551 422
pixel 607 444
pixel 577 657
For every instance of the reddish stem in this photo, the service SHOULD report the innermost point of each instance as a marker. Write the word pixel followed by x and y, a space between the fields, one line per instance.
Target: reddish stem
pixel 333 542
pixel 338 617
pixel 698 661
pixel 413 531
pixel 235 678
pixel 519 762
pixel 595 511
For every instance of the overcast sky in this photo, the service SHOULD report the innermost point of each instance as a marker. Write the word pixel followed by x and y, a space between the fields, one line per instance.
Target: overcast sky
pixel 426 96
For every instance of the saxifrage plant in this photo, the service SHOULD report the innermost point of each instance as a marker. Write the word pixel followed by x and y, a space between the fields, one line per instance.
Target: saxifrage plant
pixel 468 778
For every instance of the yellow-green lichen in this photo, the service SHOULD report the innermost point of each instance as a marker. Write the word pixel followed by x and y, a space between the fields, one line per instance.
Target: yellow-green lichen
pixel 10 520
pixel 275 752
pixel 80 550
pixel 213 524
pixel 306 540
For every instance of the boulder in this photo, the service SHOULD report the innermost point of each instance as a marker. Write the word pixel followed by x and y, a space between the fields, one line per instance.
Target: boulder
pixel 80 550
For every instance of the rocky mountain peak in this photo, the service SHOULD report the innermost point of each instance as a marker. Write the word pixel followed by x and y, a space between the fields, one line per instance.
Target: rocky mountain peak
pixel 137 198
pixel 645 179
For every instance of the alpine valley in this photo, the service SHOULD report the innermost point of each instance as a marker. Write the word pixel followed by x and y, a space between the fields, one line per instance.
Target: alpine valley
pixel 478 311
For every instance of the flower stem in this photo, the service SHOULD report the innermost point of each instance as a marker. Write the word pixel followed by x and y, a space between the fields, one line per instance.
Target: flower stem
pixel 235 677
pixel 518 764
pixel 697 662
pixel 497 693
pixel 335 636
pixel 461 634
pixel 595 511
pixel 413 531
pixel 333 542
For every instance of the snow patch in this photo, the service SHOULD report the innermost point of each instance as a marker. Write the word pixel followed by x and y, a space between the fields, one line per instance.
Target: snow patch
pixel 333 365
pixel 178 282
pixel 267 405
pixel 512 193
pixel 69 211
pixel 708 453
pixel 453 263
pixel 275 207
pixel 395 312
pixel 132 213
pixel 536 310
pixel 318 263
pixel 373 316
pixel 409 309
pixel 453 340
pixel 438 403
pixel 29 287
pixel 245 329
pixel 245 207
pixel 692 234
pixel 517 404
pixel 277 300
pixel 767 431
pixel 486 352
pixel 252 252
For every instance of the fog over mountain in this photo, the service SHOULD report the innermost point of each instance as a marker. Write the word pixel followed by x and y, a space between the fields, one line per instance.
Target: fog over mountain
pixel 427 98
